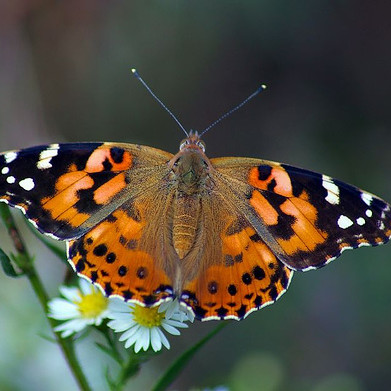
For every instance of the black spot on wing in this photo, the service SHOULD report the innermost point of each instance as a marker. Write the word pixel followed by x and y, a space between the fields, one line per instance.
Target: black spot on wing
pixel 283 229
pixel 117 154
pixel 264 172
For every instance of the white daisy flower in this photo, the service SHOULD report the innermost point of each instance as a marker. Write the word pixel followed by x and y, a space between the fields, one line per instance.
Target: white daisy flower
pixel 143 325
pixel 81 307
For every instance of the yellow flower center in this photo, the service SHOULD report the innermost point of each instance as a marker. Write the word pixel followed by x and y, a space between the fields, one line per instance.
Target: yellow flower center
pixel 92 305
pixel 148 316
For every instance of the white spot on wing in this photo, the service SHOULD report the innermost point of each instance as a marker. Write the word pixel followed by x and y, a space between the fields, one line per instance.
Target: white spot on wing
pixel 332 190
pixel 344 222
pixel 46 156
pixel 5 170
pixel 10 156
pixel 27 184
pixel 360 221
pixel 368 212
pixel 367 198
pixel 11 180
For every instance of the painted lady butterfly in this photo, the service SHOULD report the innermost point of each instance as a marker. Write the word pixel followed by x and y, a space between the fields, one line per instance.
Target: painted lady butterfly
pixel 223 235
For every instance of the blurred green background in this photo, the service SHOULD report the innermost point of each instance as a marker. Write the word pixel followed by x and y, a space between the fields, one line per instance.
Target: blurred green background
pixel 64 76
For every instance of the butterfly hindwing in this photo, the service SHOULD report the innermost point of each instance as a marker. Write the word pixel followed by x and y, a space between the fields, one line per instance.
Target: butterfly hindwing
pixel 246 277
pixel 111 255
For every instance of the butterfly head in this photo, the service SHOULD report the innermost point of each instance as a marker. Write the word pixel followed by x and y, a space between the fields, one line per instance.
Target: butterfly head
pixel 190 166
pixel 192 141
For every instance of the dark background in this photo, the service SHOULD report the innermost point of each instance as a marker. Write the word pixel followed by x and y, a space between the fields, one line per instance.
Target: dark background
pixel 65 76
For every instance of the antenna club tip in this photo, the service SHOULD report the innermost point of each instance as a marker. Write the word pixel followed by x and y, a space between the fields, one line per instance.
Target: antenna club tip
pixel 134 71
pixel 263 87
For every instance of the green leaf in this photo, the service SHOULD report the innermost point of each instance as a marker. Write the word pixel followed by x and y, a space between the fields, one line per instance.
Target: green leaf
pixel 7 266
pixel 179 364
pixel 58 251
pixel 47 338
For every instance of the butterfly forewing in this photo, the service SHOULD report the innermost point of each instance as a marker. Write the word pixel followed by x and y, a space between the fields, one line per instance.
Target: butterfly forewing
pixel 311 216
pixel 65 189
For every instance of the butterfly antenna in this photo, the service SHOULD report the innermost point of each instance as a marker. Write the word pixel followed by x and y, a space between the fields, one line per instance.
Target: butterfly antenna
pixel 228 113
pixel 136 74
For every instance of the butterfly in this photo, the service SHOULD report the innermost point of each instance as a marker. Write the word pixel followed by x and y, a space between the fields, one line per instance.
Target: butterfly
pixel 223 235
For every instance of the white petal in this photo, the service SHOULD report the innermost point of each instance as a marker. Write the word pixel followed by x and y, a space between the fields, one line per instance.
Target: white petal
pixel 65 333
pixel 132 340
pixel 118 305
pixel 61 309
pixel 146 338
pixel 169 307
pixel 143 339
pixel 120 316
pixel 164 339
pixel 119 325
pixel 86 287
pixel 128 334
pixel 70 327
pixel 70 293
pixel 170 329
pixel 156 341
pixel 176 323
pixel 98 320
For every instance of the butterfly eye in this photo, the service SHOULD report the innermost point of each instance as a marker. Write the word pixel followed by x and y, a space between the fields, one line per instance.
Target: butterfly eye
pixel 183 144
pixel 201 144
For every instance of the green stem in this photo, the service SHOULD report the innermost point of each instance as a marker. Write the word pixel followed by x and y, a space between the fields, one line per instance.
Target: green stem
pixel 129 369
pixel 25 263
pixel 179 364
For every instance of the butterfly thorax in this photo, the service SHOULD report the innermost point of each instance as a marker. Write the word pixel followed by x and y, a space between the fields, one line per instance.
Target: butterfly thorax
pixel 190 177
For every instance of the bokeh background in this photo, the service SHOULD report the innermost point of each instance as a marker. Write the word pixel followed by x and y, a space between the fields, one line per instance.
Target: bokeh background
pixel 64 76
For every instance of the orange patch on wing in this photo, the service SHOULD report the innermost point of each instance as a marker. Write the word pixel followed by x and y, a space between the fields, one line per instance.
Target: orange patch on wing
pixel 95 162
pixel 107 191
pixel 65 198
pixel 263 208
pixel 73 217
pixel 344 245
pixel 306 236
pixel 281 177
pixel 69 179
pixel 130 228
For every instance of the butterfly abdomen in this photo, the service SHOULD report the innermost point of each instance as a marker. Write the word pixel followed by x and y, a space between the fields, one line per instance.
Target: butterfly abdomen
pixel 185 223
pixel 190 179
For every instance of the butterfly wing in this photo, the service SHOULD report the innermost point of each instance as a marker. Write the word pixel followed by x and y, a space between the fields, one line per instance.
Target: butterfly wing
pixel 66 189
pixel 307 218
